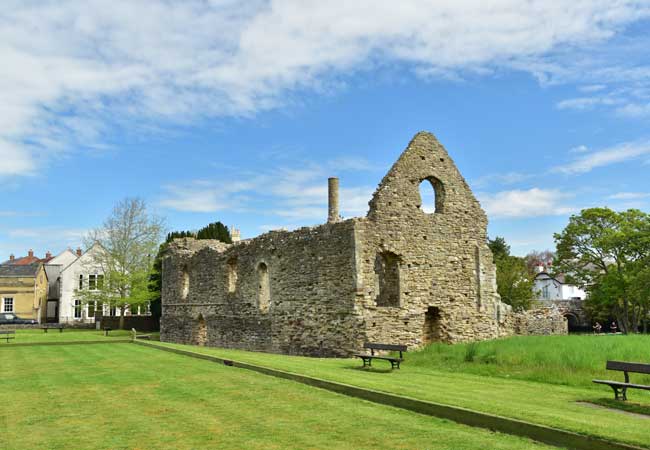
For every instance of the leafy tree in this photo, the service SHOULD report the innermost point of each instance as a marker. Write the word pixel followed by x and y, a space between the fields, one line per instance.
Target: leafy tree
pixel 129 239
pixel 215 230
pixel 499 247
pixel 514 282
pixel 604 250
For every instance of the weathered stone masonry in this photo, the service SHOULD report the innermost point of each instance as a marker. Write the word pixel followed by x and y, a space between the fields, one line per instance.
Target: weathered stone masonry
pixel 399 275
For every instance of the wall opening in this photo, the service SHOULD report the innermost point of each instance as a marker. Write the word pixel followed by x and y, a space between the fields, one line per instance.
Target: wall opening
pixel 573 323
pixel 263 288
pixel 231 269
pixel 387 279
pixel 201 332
pixel 185 283
pixel 432 332
pixel 432 195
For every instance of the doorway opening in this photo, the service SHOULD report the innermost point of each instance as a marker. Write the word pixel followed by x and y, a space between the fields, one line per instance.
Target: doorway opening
pixel 201 338
pixel 432 332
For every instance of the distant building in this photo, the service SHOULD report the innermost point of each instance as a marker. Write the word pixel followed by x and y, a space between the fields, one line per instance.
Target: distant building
pixel 23 290
pixel 554 287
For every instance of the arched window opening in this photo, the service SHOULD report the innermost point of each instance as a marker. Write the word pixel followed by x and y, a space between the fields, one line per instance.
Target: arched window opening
pixel 231 268
pixel 432 195
pixel 263 288
pixel 201 332
pixel 387 279
pixel 185 283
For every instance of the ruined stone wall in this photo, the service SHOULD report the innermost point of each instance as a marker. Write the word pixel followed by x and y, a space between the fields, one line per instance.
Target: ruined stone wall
pixel 310 304
pixel 405 274
pixel 537 321
pixel 447 281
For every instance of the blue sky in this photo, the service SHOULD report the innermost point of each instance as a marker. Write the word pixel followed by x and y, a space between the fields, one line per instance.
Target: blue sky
pixel 218 111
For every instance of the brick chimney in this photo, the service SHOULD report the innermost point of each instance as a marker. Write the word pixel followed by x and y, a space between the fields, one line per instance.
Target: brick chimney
pixel 48 254
pixel 79 253
pixel 30 253
pixel 11 257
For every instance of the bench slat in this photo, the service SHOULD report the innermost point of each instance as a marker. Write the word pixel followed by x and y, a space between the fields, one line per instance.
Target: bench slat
pixel 376 346
pixel 621 384
pixel 628 367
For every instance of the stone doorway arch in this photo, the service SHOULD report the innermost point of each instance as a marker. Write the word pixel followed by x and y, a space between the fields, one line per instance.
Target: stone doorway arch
pixel 432 331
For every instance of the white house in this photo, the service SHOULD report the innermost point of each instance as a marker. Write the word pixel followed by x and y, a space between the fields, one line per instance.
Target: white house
pixel 75 271
pixel 553 287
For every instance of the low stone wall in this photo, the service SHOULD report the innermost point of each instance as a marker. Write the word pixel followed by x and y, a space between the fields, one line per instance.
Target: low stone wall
pixel 540 321
pixel 140 323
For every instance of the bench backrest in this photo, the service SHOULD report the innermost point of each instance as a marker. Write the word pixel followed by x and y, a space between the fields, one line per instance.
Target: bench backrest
pixel 7 332
pixel 389 347
pixel 628 367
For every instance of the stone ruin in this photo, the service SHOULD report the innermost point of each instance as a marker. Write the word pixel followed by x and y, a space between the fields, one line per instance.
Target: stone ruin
pixel 400 275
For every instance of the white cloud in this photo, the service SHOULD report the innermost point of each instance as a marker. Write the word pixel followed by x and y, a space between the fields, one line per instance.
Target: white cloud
pixel 533 202
pixel 620 153
pixel 629 195
pixel 579 149
pixel 73 70
pixel 500 178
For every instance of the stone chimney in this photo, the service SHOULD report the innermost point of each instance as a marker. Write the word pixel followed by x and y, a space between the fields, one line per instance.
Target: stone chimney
pixel 11 257
pixel 235 234
pixel 79 253
pixel 333 200
pixel 30 253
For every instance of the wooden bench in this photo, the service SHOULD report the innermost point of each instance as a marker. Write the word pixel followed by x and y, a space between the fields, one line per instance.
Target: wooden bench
pixel 394 362
pixel 7 334
pixel 139 336
pixel 106 330
pixel 47 327
pixel 620 388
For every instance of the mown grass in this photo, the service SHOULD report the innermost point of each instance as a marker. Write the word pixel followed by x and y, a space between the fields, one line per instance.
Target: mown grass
pixel 53 335
pixel 132 397
pixel 572 360
pixel 506 391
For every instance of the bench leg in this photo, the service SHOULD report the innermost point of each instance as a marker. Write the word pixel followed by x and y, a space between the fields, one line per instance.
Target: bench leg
pixel 620 393
pixel 394 364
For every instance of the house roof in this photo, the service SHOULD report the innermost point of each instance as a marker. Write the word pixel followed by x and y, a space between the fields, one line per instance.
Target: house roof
pixel 22 261
pixel 13 270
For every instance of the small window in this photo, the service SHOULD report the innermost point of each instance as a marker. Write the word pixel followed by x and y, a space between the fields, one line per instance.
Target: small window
pixel 185 288
pixel 77 309
pixel 8 305
pixel 100 281
pixel 92 282
pixel 81 282
pixel 264 288
pixel 231 268
pixel 432 195
pixel 112 310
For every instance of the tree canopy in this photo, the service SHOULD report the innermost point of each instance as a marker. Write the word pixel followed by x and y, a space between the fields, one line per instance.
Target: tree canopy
pixel 608 252
pixel 514 282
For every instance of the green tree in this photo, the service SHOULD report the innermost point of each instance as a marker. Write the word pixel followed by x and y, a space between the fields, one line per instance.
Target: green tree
pixel 604 250
pixel 129 239
pixel 499 247
pixel 215 230
pixel 514 282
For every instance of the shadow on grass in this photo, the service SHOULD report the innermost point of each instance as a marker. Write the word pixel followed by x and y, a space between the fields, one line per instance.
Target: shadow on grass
pixel 368 369
pixel 620 405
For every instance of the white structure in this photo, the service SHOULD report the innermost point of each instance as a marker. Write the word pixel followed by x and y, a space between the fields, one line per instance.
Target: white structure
pixel 550 287
pixel 74 271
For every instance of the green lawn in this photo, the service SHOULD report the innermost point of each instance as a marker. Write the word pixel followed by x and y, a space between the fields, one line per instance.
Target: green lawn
pixel 132 397
pixel 505 392
pixel 39 336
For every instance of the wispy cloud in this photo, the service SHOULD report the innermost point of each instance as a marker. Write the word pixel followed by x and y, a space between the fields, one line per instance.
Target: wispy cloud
pixel 73 70
pixel 533 202
pixel 614 155
pixel 629 195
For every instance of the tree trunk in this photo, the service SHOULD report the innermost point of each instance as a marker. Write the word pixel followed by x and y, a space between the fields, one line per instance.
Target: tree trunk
pixel 122 317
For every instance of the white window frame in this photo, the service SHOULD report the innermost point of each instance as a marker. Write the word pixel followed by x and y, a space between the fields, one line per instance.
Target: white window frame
pixel 4 304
